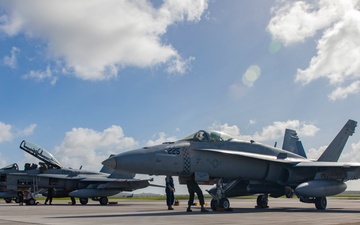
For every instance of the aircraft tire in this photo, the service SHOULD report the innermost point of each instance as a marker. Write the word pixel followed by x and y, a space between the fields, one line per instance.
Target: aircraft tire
pixel 321 203
pixel 7 200
pixel 214 204
pixel 224 203
pixel 103 200
pixel 31 201
pixel 84 201
pixel 262 201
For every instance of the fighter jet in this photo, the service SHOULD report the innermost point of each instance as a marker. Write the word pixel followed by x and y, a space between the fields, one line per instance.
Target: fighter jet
pixel 252 168
pixel 66 181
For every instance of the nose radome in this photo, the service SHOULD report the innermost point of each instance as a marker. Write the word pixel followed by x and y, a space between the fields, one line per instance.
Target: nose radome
pixel 110 163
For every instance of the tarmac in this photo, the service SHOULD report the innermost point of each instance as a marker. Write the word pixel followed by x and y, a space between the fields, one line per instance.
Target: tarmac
pixel 281 211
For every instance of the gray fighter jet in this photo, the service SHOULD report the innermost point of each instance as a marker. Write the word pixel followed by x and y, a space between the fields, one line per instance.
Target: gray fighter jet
pixel 66 182
pixel 247 168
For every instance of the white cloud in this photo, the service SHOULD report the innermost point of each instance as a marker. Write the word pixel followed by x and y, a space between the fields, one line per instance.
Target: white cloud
pixel 338 48
pixel 271 132
pixel 161 139
pixel 9 132
pixel 314 154
pixel 11 60
pixel 40 76
pixel 87 147
pixel 252 122
pixel 5 132
pixel 353 155
pixel 27 130
pixel 96 38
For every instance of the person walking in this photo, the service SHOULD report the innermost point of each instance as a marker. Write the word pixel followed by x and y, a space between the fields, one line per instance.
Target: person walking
pixel 193 188
pixel 49 197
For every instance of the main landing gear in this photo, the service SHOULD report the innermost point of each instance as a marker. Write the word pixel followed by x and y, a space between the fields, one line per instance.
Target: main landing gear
pixel 222 203
pixel 262 201
pixel 320 202
pixel 102 200
pixel 219 201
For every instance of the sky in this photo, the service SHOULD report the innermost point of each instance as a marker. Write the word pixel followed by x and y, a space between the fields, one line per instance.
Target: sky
pixel 86 79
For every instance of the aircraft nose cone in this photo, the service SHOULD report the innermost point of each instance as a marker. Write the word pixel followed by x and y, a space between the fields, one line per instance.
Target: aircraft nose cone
pixel 110 163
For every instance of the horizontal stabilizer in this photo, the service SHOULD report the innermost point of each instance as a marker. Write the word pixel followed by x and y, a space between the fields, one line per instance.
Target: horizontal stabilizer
pixel 333 151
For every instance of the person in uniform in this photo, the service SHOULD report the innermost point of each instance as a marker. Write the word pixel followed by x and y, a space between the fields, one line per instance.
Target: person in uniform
pixel 169 190
pixel 193 188
pixel 49 197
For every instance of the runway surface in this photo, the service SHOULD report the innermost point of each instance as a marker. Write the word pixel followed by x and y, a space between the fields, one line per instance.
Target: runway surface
pixel 281 211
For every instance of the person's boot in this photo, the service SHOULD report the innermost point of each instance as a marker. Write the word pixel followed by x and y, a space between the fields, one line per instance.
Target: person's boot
pixel 188 209
pixel 170 208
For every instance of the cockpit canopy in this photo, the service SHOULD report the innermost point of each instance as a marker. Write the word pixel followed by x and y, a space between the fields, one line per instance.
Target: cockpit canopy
pixel 41 154
pixel 208 136
pixel 13 166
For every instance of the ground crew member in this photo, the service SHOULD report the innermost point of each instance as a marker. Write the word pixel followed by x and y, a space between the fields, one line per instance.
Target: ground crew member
pixel 49 196
pixel 169 190
pixel 193 188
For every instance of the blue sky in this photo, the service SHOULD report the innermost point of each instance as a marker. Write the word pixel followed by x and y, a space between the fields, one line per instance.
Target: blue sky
pixel 85 79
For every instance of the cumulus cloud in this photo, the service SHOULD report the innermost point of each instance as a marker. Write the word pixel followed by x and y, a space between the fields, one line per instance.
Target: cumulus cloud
pixel 338 23
pixel 162 137
pixel 96 38
pixel 271 132
pixel 5 132
pixel 88 147
pixel 11 60
pixel 9 132
pixel 353 155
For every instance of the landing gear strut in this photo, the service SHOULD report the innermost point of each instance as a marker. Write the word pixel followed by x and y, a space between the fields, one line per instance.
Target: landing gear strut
pixel 219 200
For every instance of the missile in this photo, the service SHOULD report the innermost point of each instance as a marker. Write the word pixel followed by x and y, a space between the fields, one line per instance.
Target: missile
pixel 320 188
pixel 91 193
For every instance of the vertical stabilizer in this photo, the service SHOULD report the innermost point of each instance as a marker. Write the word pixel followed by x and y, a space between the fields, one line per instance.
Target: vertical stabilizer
pixel 333 151
pixel 291 143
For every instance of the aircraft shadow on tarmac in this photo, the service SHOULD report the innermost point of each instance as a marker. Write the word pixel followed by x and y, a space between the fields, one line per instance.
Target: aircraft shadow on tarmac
pixel 176 212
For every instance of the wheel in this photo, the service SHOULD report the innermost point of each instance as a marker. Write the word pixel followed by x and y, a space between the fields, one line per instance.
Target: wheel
pixel 262 201
pixel 7 200
pixel 321 203
pixel 214 204
pixel 31 201
pixel 17 200
pixel 103 200
pixel 289 193
pixel 224 203
pixel 83 201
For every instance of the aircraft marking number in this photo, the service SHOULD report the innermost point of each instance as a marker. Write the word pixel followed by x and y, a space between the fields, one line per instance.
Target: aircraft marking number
pixel 173 151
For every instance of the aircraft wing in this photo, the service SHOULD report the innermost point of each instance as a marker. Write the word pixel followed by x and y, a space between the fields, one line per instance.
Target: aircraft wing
pixel 332 170
pixel 280 158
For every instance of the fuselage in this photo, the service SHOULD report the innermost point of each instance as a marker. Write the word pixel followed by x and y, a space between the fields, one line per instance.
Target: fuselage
pixel 221 158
